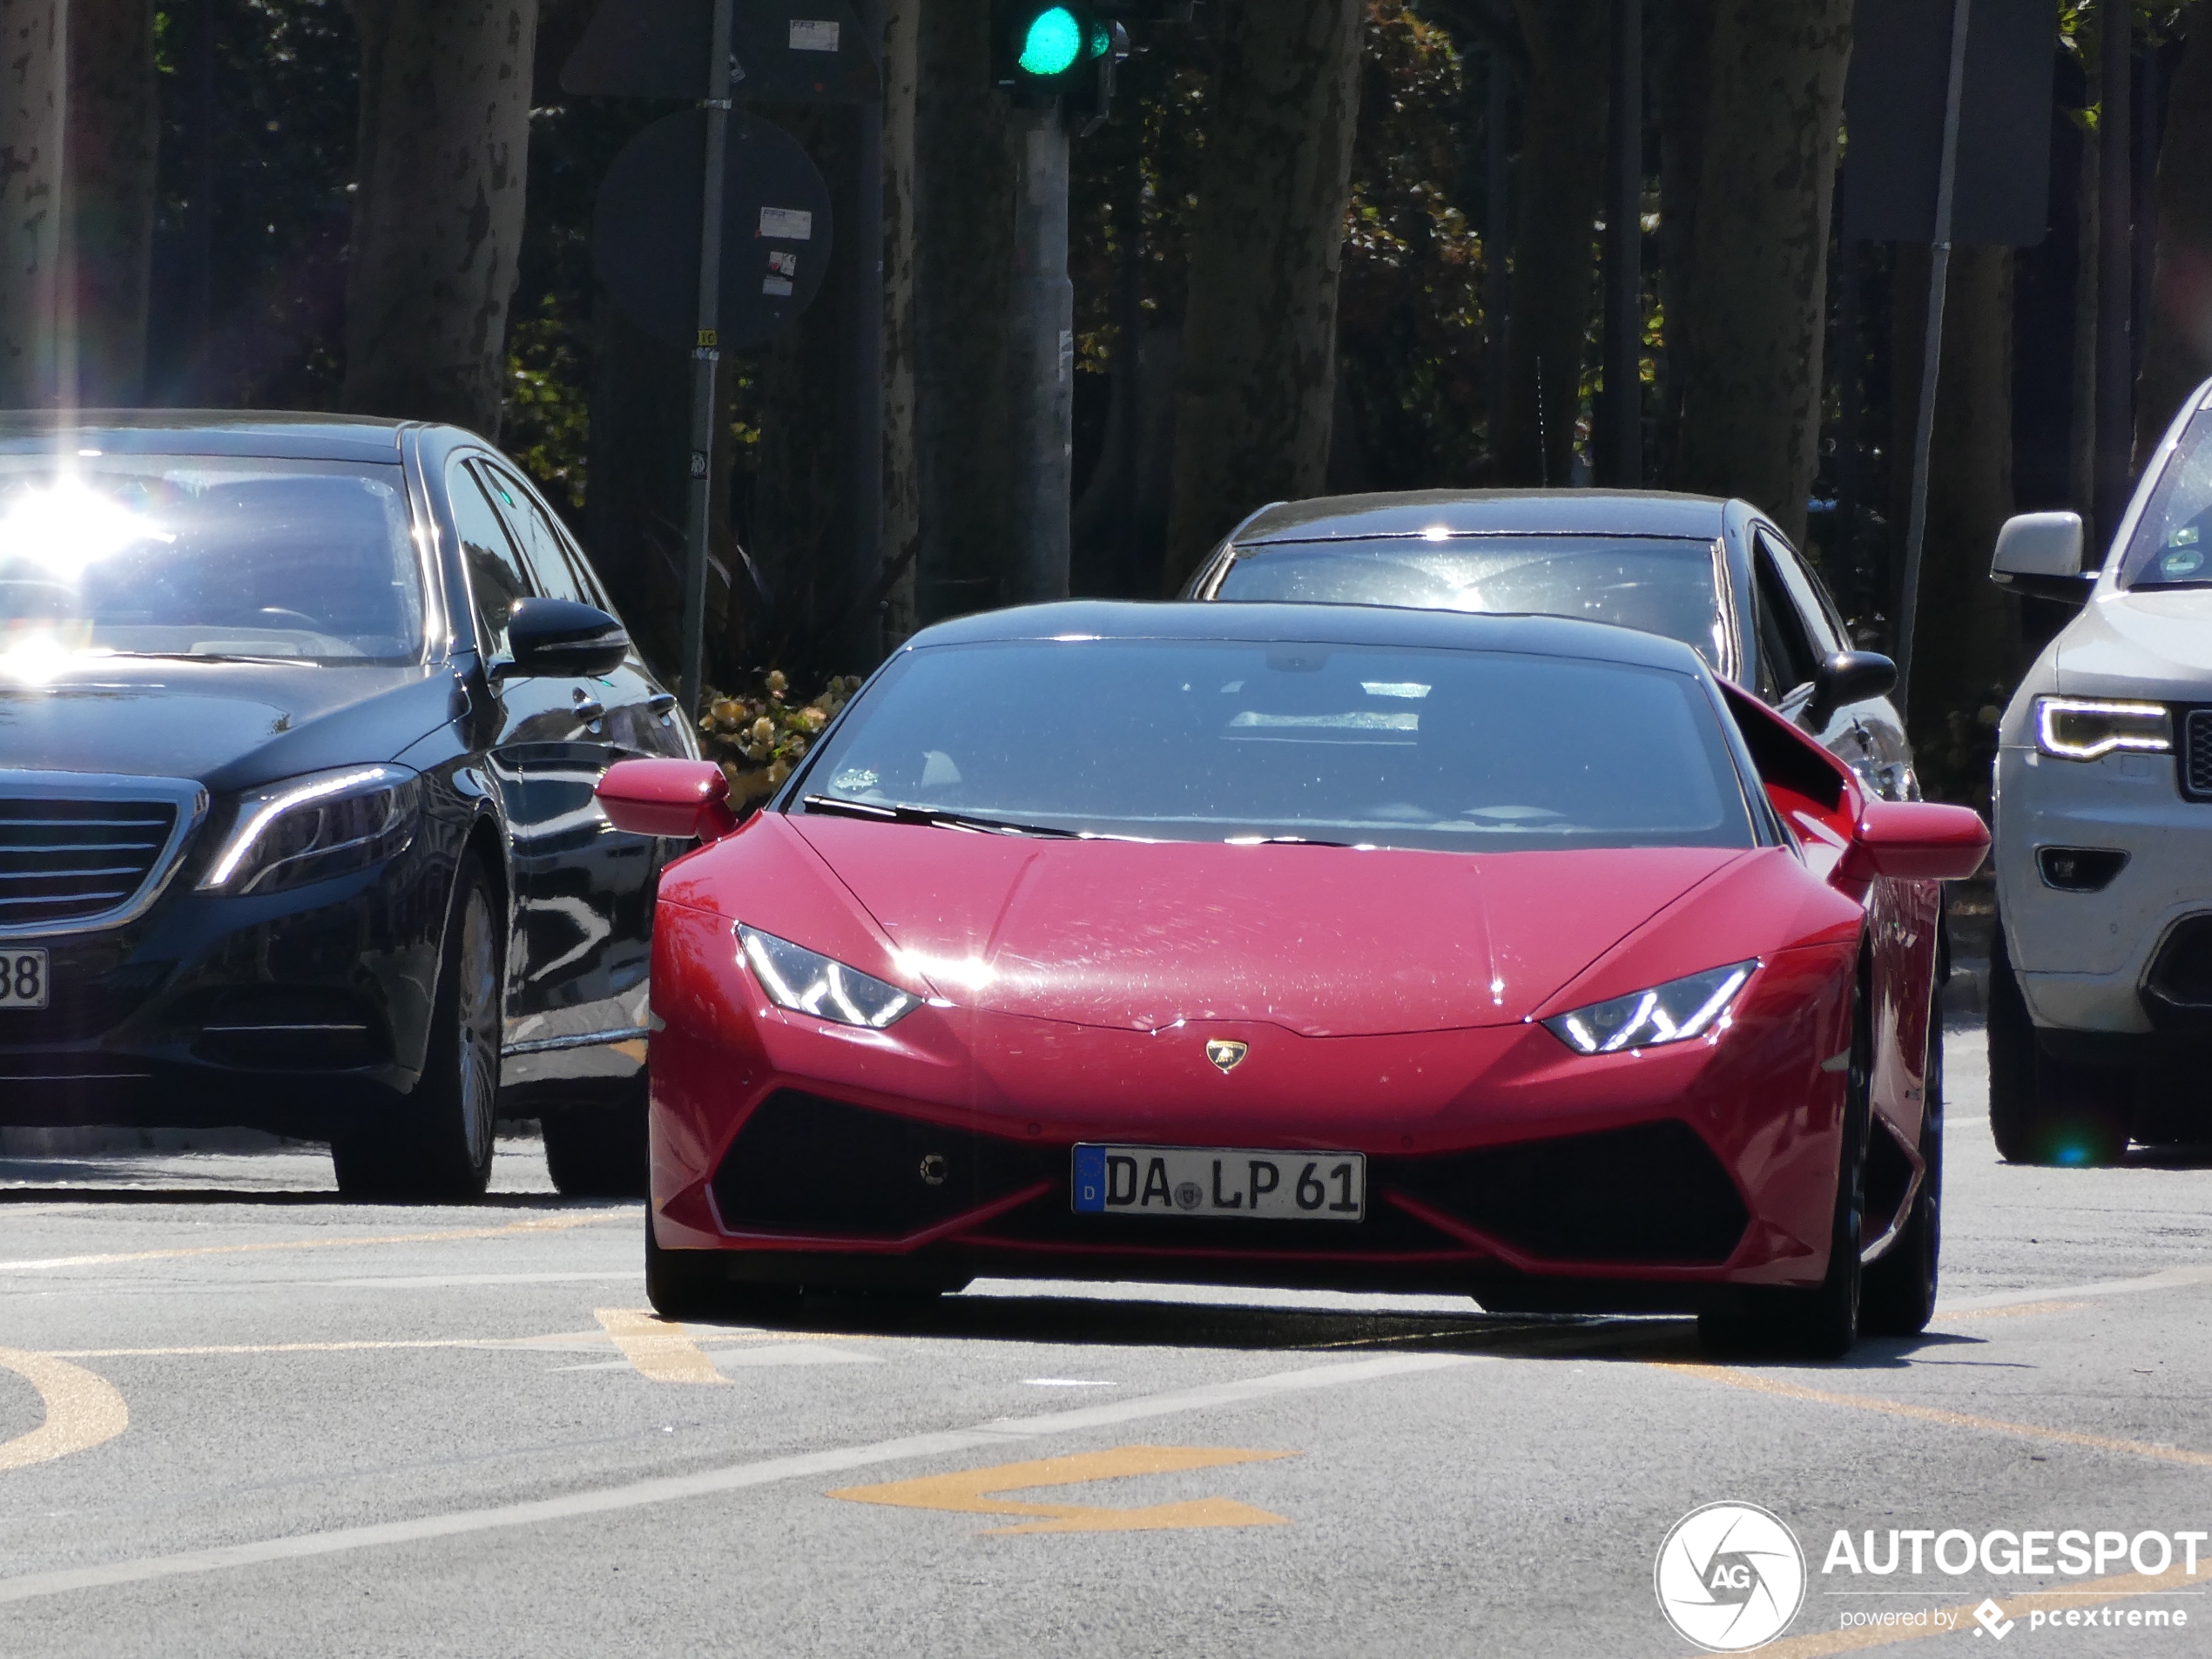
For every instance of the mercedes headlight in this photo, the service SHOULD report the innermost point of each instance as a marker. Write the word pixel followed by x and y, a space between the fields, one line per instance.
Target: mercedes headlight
pixel 309 829
pixel 2075 728
pixel 1675 1012
pixel 809 983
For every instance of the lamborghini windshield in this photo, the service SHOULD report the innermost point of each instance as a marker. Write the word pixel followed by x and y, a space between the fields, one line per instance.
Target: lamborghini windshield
pixel 1226 741
pixel 205 557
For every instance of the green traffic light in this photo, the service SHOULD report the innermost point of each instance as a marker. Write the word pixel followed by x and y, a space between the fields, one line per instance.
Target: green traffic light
pixel 1054 42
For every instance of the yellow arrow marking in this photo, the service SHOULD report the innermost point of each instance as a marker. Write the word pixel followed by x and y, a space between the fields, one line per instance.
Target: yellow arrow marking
pixel 82 1410
pixel 972 1492
pixel 659 1349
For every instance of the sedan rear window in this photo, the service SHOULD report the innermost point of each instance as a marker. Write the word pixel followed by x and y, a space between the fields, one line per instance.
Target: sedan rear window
pixel 207 556
pixel 1226 741
pixel 1659 584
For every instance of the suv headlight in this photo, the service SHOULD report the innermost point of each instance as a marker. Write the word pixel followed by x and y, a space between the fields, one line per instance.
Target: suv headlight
pixel 309 829
pixel 2073 728
pixel 1675 1012
pixel 809 983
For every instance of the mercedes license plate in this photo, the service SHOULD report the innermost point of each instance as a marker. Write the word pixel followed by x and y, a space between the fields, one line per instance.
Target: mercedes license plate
pixel 1221 1181
pixel 23 978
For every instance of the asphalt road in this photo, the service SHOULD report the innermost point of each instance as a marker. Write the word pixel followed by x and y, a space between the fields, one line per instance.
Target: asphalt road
pixel 240 1417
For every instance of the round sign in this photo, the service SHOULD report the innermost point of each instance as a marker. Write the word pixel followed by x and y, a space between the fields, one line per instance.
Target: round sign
pixel 776 230
pixel 1729 1577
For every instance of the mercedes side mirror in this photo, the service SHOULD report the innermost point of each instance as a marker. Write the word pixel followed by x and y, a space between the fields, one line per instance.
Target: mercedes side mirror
pixel 558 638
pixel 2040 554
pixel 1913 840
pixel 1848 677
pixel 682 800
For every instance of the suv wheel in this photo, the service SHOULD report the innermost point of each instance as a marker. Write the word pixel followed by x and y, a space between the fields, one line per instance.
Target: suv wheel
pixel 2044 1111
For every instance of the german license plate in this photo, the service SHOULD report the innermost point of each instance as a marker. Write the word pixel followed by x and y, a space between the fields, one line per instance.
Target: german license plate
pixel 23 978
pixel 1221 1182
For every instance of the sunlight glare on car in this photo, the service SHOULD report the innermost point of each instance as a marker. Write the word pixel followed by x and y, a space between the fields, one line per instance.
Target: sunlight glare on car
pixel 66 527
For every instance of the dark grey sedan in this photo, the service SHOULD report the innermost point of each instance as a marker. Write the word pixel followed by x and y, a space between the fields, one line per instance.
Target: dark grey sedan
pixel 1719 576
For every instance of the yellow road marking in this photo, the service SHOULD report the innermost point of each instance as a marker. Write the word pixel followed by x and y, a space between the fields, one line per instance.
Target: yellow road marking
pixel 548 1341
pixel 635 1048
pixel 1936 1414
pixel 1817 1643
pixel 82 1410
pixel 972 1491
pixel 548 1224
pixel 2017 1310
pixel 659 1349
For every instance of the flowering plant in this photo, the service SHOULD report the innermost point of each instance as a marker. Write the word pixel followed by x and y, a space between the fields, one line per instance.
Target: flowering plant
pixel 759 735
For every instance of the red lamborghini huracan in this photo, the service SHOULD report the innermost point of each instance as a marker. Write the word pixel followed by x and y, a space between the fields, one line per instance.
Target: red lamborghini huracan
pixel 1304 945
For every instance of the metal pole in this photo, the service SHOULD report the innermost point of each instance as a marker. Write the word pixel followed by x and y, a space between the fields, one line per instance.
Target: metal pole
pixel 1623 455
pixel 863 466
pixel 1497 233
pixel 1042 360
pixel 1916 532
pixel 707 357
pixel 2115 279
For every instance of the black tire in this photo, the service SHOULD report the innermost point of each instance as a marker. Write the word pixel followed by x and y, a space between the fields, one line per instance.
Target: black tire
pixel 693 1285
pixel 437 1143
pixel 2043 1111
pixel 1820 1322
pixel 598 1151
pixel 1897 1296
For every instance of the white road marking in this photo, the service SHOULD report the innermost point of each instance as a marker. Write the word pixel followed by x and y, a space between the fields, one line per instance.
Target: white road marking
pixel 792 1353
pixel 739 1477
pixel 83 1410
pixel 2173 1278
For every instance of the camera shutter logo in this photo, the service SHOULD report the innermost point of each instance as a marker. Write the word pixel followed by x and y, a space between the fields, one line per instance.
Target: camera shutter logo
pixel 1729 1577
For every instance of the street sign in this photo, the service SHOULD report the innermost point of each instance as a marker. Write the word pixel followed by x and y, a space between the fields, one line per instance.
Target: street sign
pixel 776 230
pixel 1893 113
pixel 782 51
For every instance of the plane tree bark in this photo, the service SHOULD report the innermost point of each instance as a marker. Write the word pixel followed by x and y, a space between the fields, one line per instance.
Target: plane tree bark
pixel 1256 383
pixel 31 48
pixel 1757 283
pixel 444 148
pixel 2177 349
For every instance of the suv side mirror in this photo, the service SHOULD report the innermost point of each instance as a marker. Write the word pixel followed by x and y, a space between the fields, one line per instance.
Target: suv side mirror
pixel 2040 554
pixel 681 799
pixel 1848 677
pixel 553 638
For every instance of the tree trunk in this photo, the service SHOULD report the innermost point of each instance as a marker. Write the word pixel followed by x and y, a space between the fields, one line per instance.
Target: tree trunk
pixel 1555 257
pixel 113 140
pixel 963 216
pixel 32 43
pixel 2177 349
pixel 1258 362
pixel 1966 624
pixel 1682 89
pixel 1757 296
pixel 438 216
pixel 2082 464
pixel 902 484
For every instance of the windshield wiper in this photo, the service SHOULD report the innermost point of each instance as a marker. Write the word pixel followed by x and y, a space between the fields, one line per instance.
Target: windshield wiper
pixel 934 818
pixel 1282 840
pixel 206 657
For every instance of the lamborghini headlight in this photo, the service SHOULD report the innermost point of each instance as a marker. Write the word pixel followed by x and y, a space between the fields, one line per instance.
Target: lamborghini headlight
pixel 311 828
pixel 1675 1011
pixel 2075 728
pixel 809 983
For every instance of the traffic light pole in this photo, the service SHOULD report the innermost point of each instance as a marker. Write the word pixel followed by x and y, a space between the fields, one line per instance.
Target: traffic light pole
pixel 707 357
pixel 1042 362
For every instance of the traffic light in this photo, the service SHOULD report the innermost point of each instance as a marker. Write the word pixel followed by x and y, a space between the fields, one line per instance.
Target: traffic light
pixel 1043 49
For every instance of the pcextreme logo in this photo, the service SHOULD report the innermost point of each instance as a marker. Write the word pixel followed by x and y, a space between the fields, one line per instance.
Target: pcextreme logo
pixel 1729 1577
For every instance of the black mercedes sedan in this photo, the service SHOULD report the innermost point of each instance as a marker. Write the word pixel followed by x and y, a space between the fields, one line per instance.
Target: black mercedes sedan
pixel 299 719
pixel 1719 576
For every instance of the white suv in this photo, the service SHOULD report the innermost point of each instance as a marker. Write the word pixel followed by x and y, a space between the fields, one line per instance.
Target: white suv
pixel 2101 982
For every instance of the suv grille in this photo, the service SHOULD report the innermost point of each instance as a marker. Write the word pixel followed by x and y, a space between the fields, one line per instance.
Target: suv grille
pixel 2196 755
pixel 64 860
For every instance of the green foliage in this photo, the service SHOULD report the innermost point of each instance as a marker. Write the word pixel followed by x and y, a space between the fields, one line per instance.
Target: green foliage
pixel 548 424
pixel 760 733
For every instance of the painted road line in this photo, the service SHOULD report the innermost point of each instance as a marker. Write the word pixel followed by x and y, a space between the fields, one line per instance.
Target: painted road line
pixel 557 1342
pixel 1757 1385
pixel 2011 1310
pixel 1816 1644
pixel 973 1492
pixel 545 1225
pixel 82 1410
pixel 658 1348
pixel 2173 1278
pixel 739 1477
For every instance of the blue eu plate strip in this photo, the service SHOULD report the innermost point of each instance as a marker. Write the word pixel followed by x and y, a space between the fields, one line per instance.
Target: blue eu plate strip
pixel 1090 1179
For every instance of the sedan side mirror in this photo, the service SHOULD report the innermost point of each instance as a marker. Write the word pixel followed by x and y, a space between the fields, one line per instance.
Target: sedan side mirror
pixel 1848 677
pixel 681 799
pixel 2040 554
pixel 557 637
pixel 1914 840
